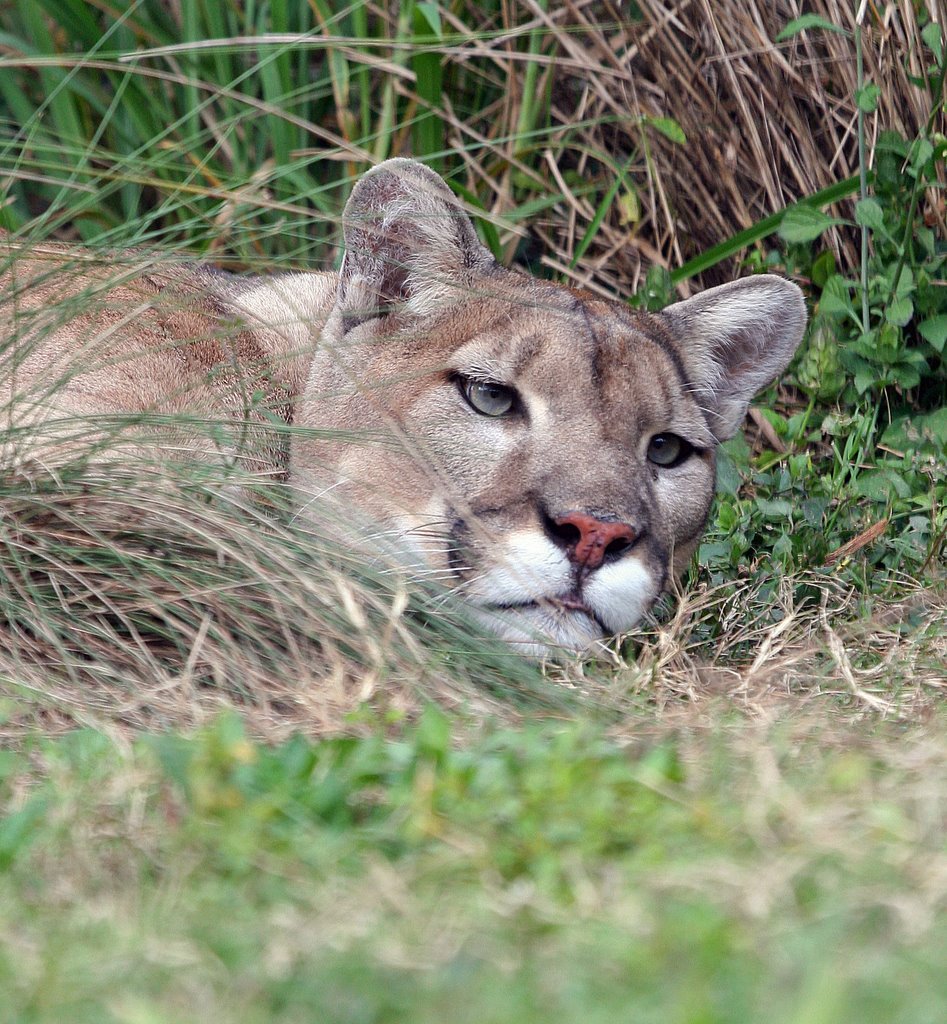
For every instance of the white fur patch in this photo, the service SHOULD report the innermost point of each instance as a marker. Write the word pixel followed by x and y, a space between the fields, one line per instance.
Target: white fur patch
pixel 530 567
pixel 533 631
pixel 288 304
pixel 621 592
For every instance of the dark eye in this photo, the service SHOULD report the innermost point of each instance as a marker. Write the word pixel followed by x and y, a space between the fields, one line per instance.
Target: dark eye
pixel 486 398
pixel 669 450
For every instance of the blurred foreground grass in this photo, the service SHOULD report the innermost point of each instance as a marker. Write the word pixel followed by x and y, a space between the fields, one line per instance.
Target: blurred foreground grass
pixel 787 871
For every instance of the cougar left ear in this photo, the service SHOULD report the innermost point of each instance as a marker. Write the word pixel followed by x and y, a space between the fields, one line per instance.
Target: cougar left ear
pixel 734 340
pixel 408 244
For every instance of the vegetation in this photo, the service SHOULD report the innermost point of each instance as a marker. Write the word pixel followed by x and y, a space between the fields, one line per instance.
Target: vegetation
pixel 246 776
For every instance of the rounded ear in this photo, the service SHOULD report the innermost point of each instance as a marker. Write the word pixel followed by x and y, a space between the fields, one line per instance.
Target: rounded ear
pixel 408 244
pixel 734 340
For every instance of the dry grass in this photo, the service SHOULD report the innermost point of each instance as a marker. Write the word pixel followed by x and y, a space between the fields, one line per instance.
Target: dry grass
pixel 766 123
pixel 134 601
pixel 822 644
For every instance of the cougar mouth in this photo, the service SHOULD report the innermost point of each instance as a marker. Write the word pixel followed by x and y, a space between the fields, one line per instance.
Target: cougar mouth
pixel 573 602
pixel 569 602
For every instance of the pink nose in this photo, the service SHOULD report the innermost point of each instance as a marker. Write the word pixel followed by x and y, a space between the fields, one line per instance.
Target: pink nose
pixel 590 539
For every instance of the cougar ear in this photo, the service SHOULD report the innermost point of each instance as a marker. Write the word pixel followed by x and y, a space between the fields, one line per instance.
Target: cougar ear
pixel 734 340
pixel 408 244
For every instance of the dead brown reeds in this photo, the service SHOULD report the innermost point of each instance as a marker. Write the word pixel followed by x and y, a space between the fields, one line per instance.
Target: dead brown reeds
pixel 766 122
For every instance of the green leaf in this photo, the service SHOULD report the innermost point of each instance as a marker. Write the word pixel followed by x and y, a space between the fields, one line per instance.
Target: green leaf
pixel 935 425
pixel 933 40
pixel 900 312
pixel 905 375
pixel 775 508
pixel 865 378
pixel 867 98
pixel 629 207
pixel 865 345
pixel 429 14
pixel 813 510
pixel 917 432
pixel 823 267
pixel 881 485
pixel 869 214
pixel 934 331
pixel 805 224
pixel 669 128
pixel 432 737
pixel 808 21
pixel 835 299
pixel 18 830
pixel 921 152
pixel 905 283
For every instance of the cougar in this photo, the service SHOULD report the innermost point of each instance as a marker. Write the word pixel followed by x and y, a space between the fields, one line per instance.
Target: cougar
pixel 547 454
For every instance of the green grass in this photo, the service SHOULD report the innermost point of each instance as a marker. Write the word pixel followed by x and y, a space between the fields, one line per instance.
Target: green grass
pixel 244 777
pixel 738 872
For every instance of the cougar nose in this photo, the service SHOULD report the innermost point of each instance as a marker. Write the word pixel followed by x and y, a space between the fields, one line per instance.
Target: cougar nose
pixel 589 541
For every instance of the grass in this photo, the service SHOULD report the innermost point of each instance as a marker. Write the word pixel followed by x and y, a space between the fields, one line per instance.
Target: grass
pixel 246 776
pixel 733 871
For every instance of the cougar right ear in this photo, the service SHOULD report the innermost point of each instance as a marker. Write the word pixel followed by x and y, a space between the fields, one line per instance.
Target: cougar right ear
pixel 408 244
pixel 733 340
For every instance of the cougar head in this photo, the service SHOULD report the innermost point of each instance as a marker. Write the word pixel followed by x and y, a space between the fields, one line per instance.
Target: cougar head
pixel 547 454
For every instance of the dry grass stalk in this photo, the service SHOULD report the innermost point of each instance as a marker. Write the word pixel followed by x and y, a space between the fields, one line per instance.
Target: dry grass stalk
pixel 768 659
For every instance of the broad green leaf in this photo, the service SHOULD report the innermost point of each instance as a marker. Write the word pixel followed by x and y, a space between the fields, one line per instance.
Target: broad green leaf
pixel 805 224
pixel 935 425
pixel 869 214
pixel 775 508
pixel 881 485
pixel 867 98
pixel 900 312
pixel 905 375
pixel 823 267
pixel 813 510
pixel 933 40
pixel 921 152
pixel 865 345
pixel 669 128
pixel 865 378
pixel 808 21
pixel 917 431
pixel 905 283
pixel 836 300
pixel 934 331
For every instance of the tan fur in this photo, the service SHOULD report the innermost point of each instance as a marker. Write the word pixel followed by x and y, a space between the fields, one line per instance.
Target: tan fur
pixel 373 364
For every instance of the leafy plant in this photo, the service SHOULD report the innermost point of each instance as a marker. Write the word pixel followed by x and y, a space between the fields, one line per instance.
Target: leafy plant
pixel 885 331
pixel 868 454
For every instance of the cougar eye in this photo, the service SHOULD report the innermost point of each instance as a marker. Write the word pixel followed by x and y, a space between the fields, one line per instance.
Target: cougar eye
pixel 669 450
pixel 486 398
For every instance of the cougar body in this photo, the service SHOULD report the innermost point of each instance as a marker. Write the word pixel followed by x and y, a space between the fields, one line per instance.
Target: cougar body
pixel 546 454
